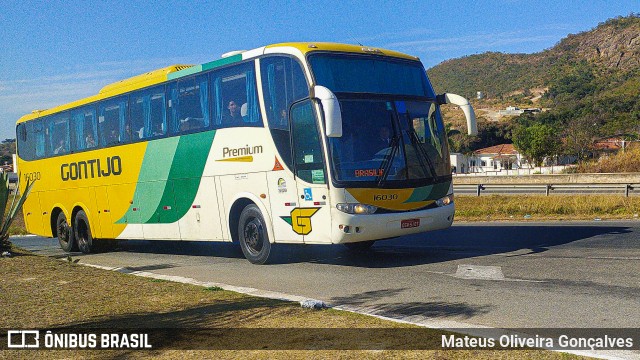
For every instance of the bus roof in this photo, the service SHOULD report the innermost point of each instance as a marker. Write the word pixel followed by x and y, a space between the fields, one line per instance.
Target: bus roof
pixel 177 71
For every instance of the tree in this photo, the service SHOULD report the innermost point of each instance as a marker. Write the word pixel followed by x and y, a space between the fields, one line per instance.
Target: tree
pixel 536 142
pixel 579 135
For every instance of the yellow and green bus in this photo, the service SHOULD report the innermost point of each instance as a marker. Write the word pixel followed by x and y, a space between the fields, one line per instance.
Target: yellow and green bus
pixel 308 143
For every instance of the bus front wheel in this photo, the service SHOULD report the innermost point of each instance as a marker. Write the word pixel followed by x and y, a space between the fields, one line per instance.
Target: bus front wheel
pixel 82 233
pixel 252 234
pixel 65 234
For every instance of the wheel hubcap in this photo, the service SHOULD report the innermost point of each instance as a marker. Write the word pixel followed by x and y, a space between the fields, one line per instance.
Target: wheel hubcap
pixel 82 234
pixel 253 236
pixel 63 232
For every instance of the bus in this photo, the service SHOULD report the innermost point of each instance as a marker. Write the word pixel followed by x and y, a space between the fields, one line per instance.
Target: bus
pixel 305 143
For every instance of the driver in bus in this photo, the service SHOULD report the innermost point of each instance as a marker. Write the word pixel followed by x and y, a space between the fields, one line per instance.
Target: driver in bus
pixel 382 140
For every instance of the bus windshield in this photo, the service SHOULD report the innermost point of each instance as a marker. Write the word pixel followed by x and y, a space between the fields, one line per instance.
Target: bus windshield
pixel 393 134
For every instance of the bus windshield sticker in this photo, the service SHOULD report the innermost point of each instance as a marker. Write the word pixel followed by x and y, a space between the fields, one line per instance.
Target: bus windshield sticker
pixel 282 186
pixel 308 158
pixel 317 176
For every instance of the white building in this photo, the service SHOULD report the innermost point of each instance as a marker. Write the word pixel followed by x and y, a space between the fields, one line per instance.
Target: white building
pixel 494 159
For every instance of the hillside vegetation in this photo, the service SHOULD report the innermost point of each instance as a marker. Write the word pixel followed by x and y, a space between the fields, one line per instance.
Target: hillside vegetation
pixel 612 48
pixel 588 85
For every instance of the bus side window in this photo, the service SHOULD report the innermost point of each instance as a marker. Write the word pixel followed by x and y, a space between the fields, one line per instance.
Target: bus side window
pixel 27 141
pixel 83 129
pixel 147 113
pixel 283 82
pixel 309 162
pixel 40 135
pixel 233 89
pixel 111 121
pixel 192 111
pixel 57 129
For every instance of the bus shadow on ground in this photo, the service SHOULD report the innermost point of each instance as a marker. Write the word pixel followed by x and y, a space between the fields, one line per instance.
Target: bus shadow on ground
pixel 455 243
pixel 369 301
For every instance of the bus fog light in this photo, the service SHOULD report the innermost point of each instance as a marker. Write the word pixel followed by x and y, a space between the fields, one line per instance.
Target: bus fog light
pixel 447 200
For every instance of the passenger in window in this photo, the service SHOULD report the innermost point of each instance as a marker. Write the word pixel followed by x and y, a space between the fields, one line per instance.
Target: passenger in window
pixel 283 122
pixel 127 133
pixel 233 117
pixel 89 141
pixel 61 147
pixel 113 137
pixel 184 125
pixel 157 130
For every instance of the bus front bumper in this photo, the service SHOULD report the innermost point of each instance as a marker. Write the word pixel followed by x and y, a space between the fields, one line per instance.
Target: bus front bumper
pixel 348 228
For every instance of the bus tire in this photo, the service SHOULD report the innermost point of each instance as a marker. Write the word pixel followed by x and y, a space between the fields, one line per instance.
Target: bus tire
pixel 360 246
pixel 253 236
pixel 65 234
pixel 82 233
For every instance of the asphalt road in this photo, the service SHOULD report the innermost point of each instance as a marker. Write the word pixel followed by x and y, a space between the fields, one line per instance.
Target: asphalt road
pixel 508 275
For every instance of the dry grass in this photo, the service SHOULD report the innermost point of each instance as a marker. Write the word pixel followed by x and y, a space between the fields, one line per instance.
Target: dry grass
pixel 17 226
pixel 622 162
pixel 555 207
pixel 39 293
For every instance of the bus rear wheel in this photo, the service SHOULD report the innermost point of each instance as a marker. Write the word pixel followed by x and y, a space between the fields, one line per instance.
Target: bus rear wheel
pixel 65 234
pixel 82 233
pixel 253 237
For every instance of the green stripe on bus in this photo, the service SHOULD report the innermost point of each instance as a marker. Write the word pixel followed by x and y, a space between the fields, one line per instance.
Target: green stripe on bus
pixel 185 72
pixel 154 173
pixel 222 62
pixel 204 67
pixel 431 192
pixel 184 177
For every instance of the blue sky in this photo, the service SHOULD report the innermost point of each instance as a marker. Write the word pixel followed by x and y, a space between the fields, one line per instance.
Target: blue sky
pixel 53 52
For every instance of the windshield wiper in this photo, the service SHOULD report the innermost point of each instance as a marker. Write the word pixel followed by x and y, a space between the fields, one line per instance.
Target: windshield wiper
pixel 385 166
pixel 421 151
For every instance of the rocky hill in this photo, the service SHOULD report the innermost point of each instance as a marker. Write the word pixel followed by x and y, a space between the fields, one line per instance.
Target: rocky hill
pixel 588 84
pixel 612 48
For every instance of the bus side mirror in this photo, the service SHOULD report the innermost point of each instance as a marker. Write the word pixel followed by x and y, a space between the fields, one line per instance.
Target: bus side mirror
pixel 331 109
pixel 447 98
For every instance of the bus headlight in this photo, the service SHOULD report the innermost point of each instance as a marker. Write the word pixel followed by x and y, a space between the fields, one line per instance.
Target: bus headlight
pixel 445 200
pixel 360 209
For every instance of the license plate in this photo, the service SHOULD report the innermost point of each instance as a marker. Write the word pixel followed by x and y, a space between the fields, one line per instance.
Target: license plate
pixel 411 223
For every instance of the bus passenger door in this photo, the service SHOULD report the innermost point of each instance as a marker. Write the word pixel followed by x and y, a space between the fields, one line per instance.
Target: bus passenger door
pixel 283 194
pixel 312 217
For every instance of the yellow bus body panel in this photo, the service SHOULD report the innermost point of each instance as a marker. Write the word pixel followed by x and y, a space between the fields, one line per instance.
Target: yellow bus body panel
pixel 51 191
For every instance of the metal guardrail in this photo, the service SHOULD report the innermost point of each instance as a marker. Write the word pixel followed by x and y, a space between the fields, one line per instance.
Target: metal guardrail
pixel 547 189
